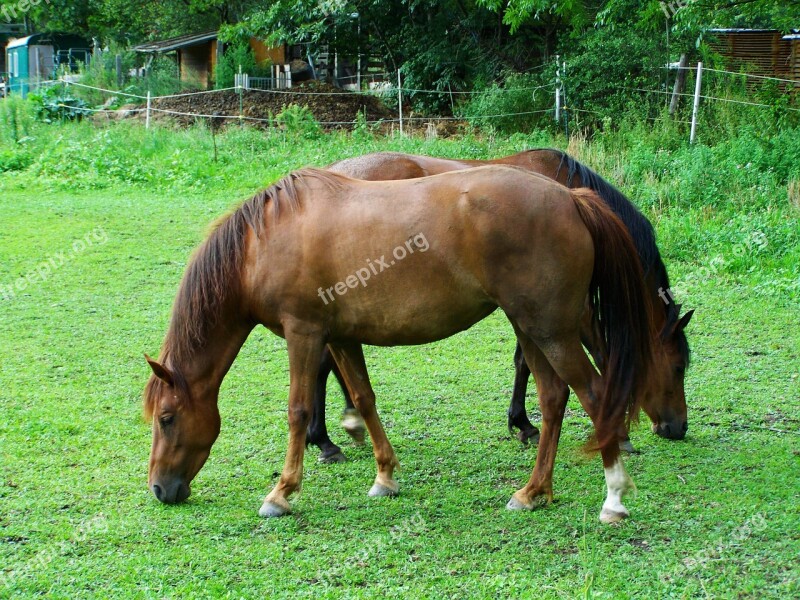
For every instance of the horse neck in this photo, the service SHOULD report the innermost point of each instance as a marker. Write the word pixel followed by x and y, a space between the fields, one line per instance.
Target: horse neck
pixel 204 366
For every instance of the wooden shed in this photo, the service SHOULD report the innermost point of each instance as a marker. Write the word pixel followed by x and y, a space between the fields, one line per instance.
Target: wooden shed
pixel 764 52
pixel 197 54
pixel 794 40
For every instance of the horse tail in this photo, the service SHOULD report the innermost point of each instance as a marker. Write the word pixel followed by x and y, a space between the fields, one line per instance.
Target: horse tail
pixel 621 315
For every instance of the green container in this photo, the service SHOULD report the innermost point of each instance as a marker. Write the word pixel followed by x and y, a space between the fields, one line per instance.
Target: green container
pixel 36 58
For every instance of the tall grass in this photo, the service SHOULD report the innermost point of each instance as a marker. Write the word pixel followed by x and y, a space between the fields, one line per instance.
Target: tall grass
pixel 161 78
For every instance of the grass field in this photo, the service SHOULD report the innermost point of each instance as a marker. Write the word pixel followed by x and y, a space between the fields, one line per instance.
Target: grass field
pixel 100 256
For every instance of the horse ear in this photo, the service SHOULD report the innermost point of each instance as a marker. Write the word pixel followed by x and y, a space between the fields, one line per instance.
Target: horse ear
pixel 684 320
pixel 160 370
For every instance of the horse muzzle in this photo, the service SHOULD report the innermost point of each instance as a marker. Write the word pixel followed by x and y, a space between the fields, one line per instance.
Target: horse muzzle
pixel 171 493
pixel 673 430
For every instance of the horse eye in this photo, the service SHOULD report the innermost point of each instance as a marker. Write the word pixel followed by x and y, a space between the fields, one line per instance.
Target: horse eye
pixel 166 420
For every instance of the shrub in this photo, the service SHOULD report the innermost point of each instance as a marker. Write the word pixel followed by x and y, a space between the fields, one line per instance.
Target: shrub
pixel 238 54
pixel 15 119
pixel 298 120
pixel 519 94
pixel 57 103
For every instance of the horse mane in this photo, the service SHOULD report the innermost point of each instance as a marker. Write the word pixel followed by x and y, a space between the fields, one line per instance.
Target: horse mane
pixel 640 228
pixel 213 276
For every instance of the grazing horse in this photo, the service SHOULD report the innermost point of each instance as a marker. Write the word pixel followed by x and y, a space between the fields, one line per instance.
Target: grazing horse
pixel 464 244
pixel 664 402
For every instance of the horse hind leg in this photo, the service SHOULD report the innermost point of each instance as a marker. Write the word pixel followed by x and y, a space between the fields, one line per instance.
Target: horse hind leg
pixel 553 395
pixel 350 359
pixel 571 364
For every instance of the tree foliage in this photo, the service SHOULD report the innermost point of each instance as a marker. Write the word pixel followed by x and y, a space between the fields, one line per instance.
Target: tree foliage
pixel 444 45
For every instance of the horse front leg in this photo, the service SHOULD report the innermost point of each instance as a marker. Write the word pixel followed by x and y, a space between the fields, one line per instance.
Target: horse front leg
pixel 517 416
pixel 305 350
pixel 350 359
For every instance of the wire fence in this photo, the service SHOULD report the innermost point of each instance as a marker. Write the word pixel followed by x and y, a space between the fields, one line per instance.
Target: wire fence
pixel 391 91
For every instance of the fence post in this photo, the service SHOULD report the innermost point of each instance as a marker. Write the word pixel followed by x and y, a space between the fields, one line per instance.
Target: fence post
pixel 680 84
pixel 697 89
pixel 400 101
pixel 147 115
pixel 288 76
pixel 558 89
pixel 118 65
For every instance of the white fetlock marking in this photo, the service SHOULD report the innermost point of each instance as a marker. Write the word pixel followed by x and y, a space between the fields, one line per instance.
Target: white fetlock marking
pixel 618 482
pixel 352 420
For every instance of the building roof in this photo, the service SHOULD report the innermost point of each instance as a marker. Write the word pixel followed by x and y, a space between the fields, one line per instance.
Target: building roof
pixel 794 35
pixel 19 42
pixel 741 30
pixel 65 40
pixel 176 43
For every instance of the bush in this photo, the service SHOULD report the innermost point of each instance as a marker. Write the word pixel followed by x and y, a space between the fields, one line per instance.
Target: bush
pixel 298 120
pixel 238 54
pixel 161 79
pixel 519 93
pixel 605 69
pixel 16 117
pixel 57 103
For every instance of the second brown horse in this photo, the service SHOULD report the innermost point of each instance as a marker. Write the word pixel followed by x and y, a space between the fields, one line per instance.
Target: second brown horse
pixel 664 401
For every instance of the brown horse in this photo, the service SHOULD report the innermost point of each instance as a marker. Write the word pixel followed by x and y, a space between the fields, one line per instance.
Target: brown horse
pixel 664 402
pixel 464 245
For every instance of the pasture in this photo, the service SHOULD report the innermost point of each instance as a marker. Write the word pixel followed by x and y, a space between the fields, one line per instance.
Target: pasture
pixel 99 243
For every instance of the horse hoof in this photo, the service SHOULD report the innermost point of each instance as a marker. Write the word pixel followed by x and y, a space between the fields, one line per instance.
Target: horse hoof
pixel 515 504
pixel 626 446
pixel 272 509
pixel 609 516
pixel 379 490
pixel 528 437
pixel 354 425
pixel 330 459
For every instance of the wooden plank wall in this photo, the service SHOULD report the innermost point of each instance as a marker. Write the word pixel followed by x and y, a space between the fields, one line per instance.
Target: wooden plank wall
pixel 762 53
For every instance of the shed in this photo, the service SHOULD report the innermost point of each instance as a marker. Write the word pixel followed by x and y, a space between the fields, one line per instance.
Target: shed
pixel 794 40
pixel 37 58
pixel 197 54
pixel 764 52
pixel 8 31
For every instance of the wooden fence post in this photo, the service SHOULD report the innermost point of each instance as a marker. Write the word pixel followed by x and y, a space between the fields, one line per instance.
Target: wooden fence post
pixel 680 84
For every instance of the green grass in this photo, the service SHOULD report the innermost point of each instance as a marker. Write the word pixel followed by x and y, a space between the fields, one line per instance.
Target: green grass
pixel 717 515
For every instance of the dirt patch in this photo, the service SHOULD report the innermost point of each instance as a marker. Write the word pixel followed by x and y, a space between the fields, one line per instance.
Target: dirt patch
pixel 332 111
